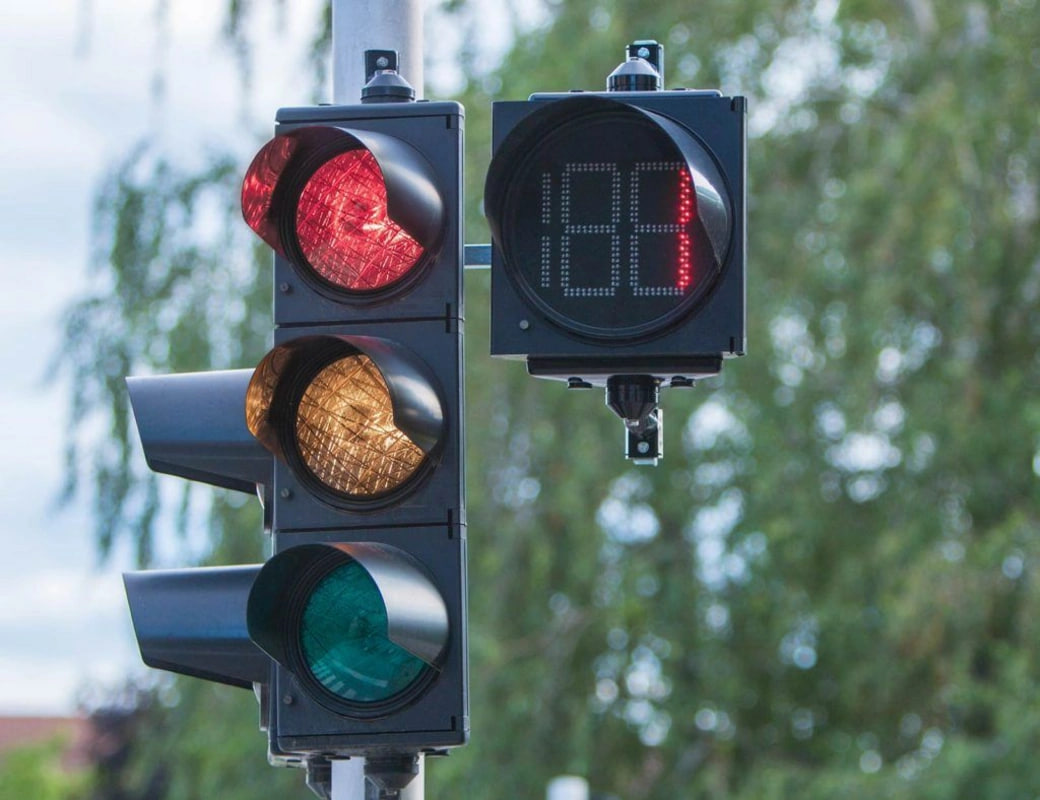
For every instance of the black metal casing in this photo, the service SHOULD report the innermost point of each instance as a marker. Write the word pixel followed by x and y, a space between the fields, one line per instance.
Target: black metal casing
pixel 193 621
pixel 424 318
pixel 219 623
pixel 434 129
pixel 437 719
pixel 191 425
pixel 690 347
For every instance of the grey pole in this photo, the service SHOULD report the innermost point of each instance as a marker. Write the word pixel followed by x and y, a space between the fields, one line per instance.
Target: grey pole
pixel 348 779
pixel 360 25
pixel 357 26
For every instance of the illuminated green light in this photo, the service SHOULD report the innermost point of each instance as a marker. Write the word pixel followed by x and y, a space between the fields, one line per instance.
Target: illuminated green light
pixel 343 635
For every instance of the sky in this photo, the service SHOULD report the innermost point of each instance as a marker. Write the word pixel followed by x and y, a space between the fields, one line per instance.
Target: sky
pixel 77 86
pixel 77 81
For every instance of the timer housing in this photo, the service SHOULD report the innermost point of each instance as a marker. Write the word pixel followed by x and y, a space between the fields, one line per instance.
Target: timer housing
pixel 618 221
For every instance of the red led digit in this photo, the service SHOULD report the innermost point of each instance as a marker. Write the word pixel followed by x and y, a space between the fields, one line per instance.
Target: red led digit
pixel 684 272
pixel 344 229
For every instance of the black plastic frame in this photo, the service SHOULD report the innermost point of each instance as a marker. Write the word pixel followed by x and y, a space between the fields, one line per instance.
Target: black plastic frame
pixel 434 496
pixel 428 523
pixel 192 425
pixel 543 128
pixel 433 288
pixel 691 347
pixel 438 717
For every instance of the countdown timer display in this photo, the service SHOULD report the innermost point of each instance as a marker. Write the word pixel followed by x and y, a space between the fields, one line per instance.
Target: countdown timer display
pixel 614 222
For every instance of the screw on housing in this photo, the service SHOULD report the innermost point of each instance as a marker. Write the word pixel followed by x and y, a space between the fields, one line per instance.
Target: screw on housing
pixel 646 447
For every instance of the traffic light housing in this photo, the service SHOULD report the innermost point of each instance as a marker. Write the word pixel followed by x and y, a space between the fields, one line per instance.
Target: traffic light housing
pixel 351 431
pixel 362 605
pixel 618 227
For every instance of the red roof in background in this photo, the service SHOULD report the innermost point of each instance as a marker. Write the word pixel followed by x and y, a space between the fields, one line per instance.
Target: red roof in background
pixel 24 731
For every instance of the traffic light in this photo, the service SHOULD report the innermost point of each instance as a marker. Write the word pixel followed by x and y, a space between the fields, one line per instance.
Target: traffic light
pixel 618 223
pixel 351 428
pixel 362 605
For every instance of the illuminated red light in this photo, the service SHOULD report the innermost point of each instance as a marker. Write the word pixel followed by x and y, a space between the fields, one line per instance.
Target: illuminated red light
pixel 258 188
pixel 344 229
pixel 684 273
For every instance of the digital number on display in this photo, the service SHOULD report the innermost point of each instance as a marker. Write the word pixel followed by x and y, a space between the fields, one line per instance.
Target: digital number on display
pixel 627 245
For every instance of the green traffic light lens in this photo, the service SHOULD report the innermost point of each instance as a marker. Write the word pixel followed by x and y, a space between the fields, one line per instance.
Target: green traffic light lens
pixel 345 643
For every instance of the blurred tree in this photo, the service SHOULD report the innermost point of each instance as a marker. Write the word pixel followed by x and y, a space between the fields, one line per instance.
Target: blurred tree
pixel 37 771
pixel 829 586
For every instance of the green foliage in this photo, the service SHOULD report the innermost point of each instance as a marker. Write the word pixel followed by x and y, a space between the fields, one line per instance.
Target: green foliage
pixel 184 740
pixel 175 288
pixel 845 540
pixel 212 748
pixel 828 587
pixel 36 771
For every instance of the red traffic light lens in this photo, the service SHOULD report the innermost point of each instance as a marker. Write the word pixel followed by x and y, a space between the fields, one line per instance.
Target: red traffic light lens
pixel 258 188
pixel 344 229
pixel 355 212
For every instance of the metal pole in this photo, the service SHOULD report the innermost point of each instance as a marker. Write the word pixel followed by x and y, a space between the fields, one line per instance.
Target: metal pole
pixel 348 779
pixel 416 790
pixel 360 25
pixel 357 26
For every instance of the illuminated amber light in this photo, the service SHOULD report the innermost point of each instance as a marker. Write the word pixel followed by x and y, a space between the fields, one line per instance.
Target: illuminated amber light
pixel 344 228
pixel 345 431
pixel 260 395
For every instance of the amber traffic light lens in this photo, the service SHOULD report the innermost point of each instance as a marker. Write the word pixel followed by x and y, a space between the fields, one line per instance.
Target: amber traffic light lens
pixel 346 435
pixel 344 228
